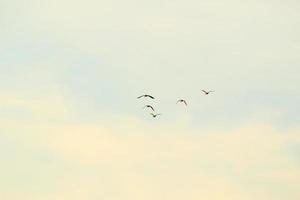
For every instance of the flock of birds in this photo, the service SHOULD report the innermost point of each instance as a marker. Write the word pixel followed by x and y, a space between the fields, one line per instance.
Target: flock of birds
pixel 153 114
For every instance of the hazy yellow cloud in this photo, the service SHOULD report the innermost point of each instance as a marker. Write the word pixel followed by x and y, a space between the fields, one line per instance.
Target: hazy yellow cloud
pixel 136 160
pixel 50 105
pixel 132 137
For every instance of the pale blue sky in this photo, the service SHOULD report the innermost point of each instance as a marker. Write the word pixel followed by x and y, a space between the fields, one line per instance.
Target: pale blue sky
pixel 248 52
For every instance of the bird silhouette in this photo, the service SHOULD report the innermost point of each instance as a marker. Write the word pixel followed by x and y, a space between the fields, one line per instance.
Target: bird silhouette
pixel 182 101
pixel 146 95
pixel 149 106
pixel 207 92
pixel 154 115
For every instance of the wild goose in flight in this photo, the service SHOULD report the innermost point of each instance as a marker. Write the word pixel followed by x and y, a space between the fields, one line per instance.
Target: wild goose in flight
pixel 182 101
pixel 149 106
pixel 154 115
pixel 146 95
pixel 207 92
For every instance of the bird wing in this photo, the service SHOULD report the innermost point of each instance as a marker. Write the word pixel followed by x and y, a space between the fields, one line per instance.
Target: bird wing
pixel 151 108
pixel 141 96
pixel 184 102
pixel 211 91
pixel 178 101
pixel 204 91
pixel 150 96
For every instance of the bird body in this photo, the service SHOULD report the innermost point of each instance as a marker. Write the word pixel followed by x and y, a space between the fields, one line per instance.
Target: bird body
pixel 154 115
pixel 182 101
pixel 146 95
pixel 207 92
pixel 149 106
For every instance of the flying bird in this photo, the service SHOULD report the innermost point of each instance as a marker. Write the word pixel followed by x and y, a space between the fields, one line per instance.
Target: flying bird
pixel 146 95
pixel 149 106
pixel 182 101
pixel 154 115
pixel 207 92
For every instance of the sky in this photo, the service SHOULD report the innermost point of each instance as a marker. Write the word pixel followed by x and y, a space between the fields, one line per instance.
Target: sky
pixel 72 128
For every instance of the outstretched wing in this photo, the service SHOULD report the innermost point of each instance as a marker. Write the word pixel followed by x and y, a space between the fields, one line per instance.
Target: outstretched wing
pixel 204 91
pixel 150 96
pixel 151 108
pixel 140 96
pixel 184 102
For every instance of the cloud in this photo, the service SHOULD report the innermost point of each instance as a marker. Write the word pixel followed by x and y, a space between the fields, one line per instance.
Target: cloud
pixel 132 136
pixel 138 160
pixel 48 106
